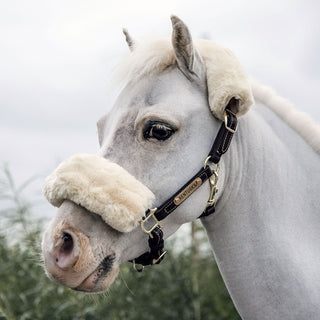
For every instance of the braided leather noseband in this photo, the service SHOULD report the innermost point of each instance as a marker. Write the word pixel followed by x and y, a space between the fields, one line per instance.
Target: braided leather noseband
pixel 219 147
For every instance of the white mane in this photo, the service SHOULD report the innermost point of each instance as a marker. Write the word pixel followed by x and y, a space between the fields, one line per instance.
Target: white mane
pixel 154 55
pixel 297 120
pixel 149 56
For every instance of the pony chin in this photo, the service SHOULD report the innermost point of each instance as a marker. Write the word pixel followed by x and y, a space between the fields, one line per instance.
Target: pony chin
pixel 95 283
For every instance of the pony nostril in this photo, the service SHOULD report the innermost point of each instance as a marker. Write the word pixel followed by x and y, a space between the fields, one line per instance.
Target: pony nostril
pixel 67 245
pixel 66 251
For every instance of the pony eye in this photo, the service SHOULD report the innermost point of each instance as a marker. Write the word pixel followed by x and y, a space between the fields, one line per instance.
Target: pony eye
pixel 158 131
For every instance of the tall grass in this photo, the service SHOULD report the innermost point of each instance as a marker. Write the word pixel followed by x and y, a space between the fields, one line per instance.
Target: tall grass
pixel 162 292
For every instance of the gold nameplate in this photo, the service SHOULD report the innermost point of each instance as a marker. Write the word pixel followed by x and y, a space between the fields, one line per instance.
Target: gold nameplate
pixel 187 191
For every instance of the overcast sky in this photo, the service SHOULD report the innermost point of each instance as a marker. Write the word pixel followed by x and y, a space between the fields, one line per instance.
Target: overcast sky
pixel 56 59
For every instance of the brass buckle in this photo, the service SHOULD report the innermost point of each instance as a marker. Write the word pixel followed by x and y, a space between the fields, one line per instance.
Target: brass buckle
pixel 157 222
pixel 226 121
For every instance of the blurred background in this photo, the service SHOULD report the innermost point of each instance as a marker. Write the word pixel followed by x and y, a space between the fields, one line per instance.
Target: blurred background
pixel 56 64
pixel 57 59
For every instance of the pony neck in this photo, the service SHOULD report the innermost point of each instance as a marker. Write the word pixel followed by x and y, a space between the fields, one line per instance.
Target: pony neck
pixel 265 232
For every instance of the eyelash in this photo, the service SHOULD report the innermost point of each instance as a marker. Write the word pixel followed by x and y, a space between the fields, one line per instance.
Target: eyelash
pixel 155 130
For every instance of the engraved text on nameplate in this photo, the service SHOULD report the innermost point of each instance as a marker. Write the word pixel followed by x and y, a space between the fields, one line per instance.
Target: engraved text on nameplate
pixel 187 191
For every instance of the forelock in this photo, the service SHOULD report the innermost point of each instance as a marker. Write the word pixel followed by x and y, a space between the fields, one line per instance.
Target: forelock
pixel 150 56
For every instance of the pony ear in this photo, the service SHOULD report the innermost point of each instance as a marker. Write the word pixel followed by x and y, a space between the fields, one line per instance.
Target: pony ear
pixel 129 39
pixel 188 59
pixel 227 82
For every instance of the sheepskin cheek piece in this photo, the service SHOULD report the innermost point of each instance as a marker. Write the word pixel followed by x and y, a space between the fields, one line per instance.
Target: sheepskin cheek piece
pixel 102 187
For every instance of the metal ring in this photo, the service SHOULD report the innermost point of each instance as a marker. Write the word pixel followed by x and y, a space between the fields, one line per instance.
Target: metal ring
pixel 154 261
pixel 144 220
pixel 217 169
pixel 135 266
pixel 226 122
pixel 206 162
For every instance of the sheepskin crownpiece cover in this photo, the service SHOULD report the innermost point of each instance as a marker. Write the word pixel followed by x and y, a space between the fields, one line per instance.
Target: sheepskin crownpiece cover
pixel 102 187
pixel 226 78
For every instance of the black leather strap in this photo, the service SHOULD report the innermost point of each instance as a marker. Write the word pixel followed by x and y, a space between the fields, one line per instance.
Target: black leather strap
pixel 224 136
pixel 208 211
pixel 193 184
pixel 156 242
pixel 219 147
pixel 156 253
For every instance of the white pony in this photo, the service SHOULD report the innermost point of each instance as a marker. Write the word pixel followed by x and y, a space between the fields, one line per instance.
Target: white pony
pixel 265 229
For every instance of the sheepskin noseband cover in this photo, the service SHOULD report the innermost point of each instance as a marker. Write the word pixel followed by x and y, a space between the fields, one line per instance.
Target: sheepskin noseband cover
pixel 102 187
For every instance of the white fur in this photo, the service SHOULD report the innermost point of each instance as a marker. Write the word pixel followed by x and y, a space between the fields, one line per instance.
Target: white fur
pixel 102 187
pixel 226 77
pixel 298 121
